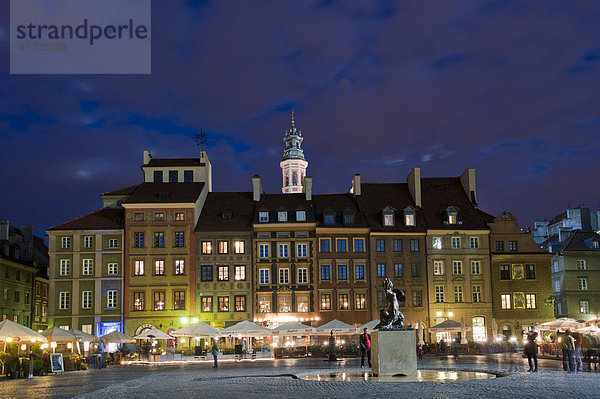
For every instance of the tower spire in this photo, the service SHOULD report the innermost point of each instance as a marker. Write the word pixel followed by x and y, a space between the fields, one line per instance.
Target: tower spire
pixel 293 165
pixel 292 116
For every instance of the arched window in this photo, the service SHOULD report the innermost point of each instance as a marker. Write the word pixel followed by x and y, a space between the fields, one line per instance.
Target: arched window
pixel 295 178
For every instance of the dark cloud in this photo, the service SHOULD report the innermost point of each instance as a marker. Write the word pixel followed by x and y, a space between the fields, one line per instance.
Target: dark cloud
pixel 507 87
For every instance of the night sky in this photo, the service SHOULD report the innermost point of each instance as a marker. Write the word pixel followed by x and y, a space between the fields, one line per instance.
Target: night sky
pixel 510 88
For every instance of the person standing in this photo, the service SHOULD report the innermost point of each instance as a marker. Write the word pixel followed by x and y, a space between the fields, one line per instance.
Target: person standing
pixel 568 346
pixel 578 362
pixel 215 352
pixel 531 349
pixel 365 347
pixel 420 352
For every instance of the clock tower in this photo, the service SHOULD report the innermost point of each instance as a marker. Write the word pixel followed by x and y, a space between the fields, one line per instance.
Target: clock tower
pixel 293 165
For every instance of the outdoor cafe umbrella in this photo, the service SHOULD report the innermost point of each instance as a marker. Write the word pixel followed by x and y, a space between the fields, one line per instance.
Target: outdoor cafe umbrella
pixel 116 337
pixel 336 326
pixel 83 337
pixel 246 328
pixel 370 325
pixel 57 334
pixel 18 332
pixel 589 326
pixel 447 326
pixel 293 328
pixel 153 333
pixel 198 329
pixel 560 324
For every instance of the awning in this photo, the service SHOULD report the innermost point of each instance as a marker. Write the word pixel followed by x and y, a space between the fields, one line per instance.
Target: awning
pixel 448 326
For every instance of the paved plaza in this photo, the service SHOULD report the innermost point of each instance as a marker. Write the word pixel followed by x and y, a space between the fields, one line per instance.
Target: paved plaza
pixel 278 379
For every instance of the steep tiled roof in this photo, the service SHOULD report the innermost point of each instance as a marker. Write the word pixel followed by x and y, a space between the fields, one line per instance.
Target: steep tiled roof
pixel 377 196
pixel 580 241
pixel 238 209
pixel 122 191
pixel 338 203
pixel 101 219
pixel 442 192
pixel 279 202
pixel 159 162
pixel 165 193
pixel 487 218
pixel 558 218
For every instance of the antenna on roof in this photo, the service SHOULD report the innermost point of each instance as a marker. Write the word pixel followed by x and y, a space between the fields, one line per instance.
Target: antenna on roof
pixel 201 140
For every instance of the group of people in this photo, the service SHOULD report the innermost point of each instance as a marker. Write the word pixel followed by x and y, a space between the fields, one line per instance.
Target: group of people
pixel 571 352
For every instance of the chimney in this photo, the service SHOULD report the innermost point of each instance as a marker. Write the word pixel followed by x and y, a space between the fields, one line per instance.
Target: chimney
pixel 307 187
pixel 147 157
pixel 4 230
pixel 356 185
pixel 467 179
pixel 564 233
pixel 27 231
pixel 414 185
pixel 257 189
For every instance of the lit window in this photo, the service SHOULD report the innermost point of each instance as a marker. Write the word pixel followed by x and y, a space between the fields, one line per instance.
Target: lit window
pixel 159 216
pixel 437 242
pixel 240 273
pixel 223 273
pixel 264 304
pixel 206 303
pixel 179 266
pixel 410 218
pixel 452 217
pixel 325 301
pixel 530 301
pixel 223 303
pixel 285 303
pixel 388 219
pixel 361 301
pixel 584 307
pixel 159 267
pixel 179 300
pixel 343 302
pixel 240 303
pixel 239 247
pixel 138 269
pixel 479 329
pixel 139 301
pixel 438 268
pixel 417 298
pixel 505 300
pixel 223 247
pixel 302 303
pixel 179 216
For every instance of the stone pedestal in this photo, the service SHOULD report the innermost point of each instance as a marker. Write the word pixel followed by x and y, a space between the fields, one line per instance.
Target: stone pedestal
pixel 394 352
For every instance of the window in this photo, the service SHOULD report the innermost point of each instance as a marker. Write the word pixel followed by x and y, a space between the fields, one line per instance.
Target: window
pixel 240 303
pixel 457 267
pixel 530 301
pixel 388 219
pixel 398 270
pixel 206 303
pixel 86 299
pixel 559 308
pixel 381 300
pixel 284 276
pixel 188 176
pixel 361 302
pixel 439 293
pixel 530 272
pixel 512 245
pixel 159 216
pixel 458 293
pixel 302 275
pixel 504 272
pixel 159 300
pixel 17 296
pixel 474 241
pixel 452 217
pixel 138 217
pixel 341 245
pixel 476 293
pixel 555 267
pixel 139 301
pixel 223 303
pixel 66 242
pixel 380 245
pixel 285 303
pixel 113 243
pixel 324 245
pixel 179 266
pixel 111 299
pixel 300 216
pixel 455 242
pixel 159 267
pixel 348 218
pixel 206 273
pixel 438 268
pixel 301 235
pixel 223 273
pixel 86 267
pixel 505 300
pixel 359 272
pixel 581 265
pixel 239 247
pixel 63 302
pixel 159 239
pixel 173 176
pixel 381 270
pixel 414 245
pixel 263 217
pixel 283 250
pixel 584 307
pixel 65 267
pixel 206 247
pixel 479 329
pixel 415 269
pixel 138 268
pixel 88 241
pixel 342 272
pixel 264 304
pixel 475 267
pixel 18 275
pixel 410 218
pixel 499 246
pixel 397 245
pixel 301 250
pixel 582 283
pixel 436 242
pixel 138 240
pixel 325 272
pixel 158 176
pixel 556 285
pixel 26 298
pixel 223 246
pixel 179 239
pixel 329 218
pixel 325 301
pixel 343 302
pixel 282 216
pixel 417 298
pixel 263 276
pixel 178 300
pixel 240 273
pixel 263 250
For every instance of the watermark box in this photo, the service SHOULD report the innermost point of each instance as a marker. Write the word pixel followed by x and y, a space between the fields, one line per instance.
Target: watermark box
pixel 80 36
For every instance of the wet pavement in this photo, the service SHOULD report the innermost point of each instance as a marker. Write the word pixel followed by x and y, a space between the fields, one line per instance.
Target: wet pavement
pixel 279 379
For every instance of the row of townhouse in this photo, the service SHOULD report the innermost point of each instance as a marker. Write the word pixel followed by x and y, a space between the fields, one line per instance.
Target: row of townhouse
pixel 169 251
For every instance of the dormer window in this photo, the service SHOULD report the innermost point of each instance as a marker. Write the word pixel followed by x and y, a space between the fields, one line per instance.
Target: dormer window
pixel 282 216
pixel 349 218
pixel 452 215
pixel 410 217
pixel 595 244
pixel 227 214
pixel 329 218
pixel 388 217
pixel 300 216
pixel 263 217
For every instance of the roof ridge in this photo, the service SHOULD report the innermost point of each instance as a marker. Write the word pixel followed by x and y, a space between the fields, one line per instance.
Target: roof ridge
pixel 74 219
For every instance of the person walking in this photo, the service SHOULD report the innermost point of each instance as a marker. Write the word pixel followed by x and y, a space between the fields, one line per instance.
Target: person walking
pixel 365 348
pixel 578 362
pixel 420 352
pixel 215 352
pixel 531 350
pixel 568 345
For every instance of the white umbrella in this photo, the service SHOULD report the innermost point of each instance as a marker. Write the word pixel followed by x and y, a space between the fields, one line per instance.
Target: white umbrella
pixel 18 332
pixel 337 327
pixel 81 336
pixel 589 326
pixel 153 333
pixel 57 334
pixel 199 329
pixel 116 337
pixel 247 329
pixel 561 324
pixel 448 326
pixel 370 325
pixel 421 333
pixel 293 328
